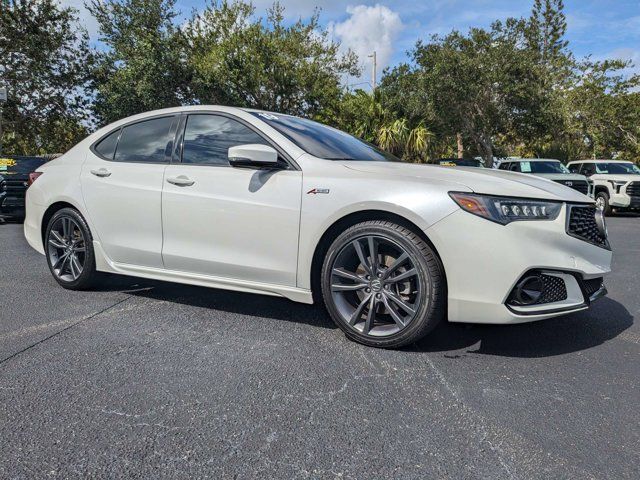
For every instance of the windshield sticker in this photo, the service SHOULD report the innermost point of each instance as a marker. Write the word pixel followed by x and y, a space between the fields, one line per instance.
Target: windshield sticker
pixel 268 116
pixel 525 167
pixel 6 162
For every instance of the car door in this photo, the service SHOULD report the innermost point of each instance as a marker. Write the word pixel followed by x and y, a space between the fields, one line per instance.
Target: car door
pixel 121 182
pixel 223 221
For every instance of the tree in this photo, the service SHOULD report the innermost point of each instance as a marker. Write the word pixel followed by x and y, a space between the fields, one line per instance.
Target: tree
pixel 480 84
pixel 605 110
pixel 143 67
pixel 45 64
pixel 245 61
pixel 364 115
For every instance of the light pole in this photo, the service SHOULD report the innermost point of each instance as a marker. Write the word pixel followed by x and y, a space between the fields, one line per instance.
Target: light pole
pixel 3 98
pixel 373 70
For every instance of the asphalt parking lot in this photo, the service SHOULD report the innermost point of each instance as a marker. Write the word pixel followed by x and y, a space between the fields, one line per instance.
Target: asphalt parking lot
pixel 148 379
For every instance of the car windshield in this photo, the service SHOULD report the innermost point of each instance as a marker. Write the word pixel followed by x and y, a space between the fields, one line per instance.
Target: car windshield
pixel 610 168
pixel 322 141
pixel 20 164
pixel 460 162
pixel 544 167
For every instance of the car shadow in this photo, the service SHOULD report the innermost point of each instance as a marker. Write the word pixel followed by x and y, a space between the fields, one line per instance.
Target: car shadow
pixel 571 333
pixel 556 336
pixel 221 300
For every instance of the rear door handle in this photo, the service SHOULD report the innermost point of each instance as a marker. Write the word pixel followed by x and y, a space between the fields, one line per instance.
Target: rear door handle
pixel 101 172
pixel 181 181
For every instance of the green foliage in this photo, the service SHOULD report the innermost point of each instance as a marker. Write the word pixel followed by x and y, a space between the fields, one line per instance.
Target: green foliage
pixel 238 59
pixel 45 64
pixel 511 89
pixel 515 89
pixel 143 66
pixel 365 116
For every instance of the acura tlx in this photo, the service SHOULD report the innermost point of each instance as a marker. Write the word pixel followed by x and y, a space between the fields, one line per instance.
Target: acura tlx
pixel 267 203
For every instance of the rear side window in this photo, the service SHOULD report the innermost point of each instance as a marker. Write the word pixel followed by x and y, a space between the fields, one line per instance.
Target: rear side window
pixel 107 146
pixel 144 141
pixel 207 138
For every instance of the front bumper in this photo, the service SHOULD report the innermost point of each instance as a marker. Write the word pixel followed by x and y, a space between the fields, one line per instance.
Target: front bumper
pixel 483 262
pixel 622 200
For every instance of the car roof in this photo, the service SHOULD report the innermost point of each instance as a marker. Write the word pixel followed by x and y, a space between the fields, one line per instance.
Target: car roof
pixel 591 160
pixel 530 160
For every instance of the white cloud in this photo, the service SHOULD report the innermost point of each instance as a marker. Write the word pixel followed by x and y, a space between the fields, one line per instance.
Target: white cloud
pixel 369 29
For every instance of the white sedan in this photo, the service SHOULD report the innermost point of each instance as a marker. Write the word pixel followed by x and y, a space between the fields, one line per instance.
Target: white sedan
pixel 267 203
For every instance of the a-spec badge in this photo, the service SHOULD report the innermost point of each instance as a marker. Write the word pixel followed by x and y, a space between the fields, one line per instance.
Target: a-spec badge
pixel 318 190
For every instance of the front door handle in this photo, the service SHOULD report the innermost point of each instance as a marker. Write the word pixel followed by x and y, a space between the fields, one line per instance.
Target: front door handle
pixel 181 181
pixel 101 172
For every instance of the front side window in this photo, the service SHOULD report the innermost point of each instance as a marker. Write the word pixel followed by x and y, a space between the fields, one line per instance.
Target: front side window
pixel 207 138
pixel 144 141
pixel 322 141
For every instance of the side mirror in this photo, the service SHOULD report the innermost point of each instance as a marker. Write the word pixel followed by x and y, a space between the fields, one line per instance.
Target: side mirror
pixel 253 155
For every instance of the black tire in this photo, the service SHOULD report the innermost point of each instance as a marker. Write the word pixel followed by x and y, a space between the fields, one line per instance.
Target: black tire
pixel 604 196
pixel 429 310
pixel 89 276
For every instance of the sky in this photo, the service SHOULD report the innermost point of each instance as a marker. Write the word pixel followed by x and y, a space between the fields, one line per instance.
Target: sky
pixel 600 28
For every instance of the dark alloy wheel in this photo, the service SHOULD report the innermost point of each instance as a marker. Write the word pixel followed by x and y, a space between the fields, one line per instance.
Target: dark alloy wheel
pixel 69 250
pixel 382 284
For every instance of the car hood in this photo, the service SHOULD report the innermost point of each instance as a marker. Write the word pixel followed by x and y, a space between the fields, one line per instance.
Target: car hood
pixel 479 180
pixel 562 176
pixel 621 178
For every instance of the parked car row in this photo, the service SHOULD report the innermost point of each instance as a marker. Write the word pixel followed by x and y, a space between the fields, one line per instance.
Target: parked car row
pixel 612 183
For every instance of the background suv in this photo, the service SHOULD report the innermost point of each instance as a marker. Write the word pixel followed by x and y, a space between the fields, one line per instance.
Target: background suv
pixel 616 182
pixel 550 169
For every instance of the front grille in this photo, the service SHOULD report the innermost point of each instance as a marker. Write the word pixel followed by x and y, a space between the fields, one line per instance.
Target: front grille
pixel 633 189
pixel 582 224
pixel 14 188
pixel 580 185
pixel 592 286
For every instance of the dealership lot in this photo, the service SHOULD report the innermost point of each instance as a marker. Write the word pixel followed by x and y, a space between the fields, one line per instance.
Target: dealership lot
pixel 148 379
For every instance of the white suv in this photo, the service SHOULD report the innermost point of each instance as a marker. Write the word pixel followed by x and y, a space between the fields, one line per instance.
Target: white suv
pixel 616 182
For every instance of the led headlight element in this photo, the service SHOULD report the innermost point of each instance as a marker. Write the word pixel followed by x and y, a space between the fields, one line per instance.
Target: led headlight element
pixel 505 210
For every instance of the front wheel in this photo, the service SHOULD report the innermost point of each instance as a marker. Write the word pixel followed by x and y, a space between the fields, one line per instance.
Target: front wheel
pixel 69 250
pixel 383 285
pixel 602 202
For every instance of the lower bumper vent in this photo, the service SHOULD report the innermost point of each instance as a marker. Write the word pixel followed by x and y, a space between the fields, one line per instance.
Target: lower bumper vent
pixel 537 289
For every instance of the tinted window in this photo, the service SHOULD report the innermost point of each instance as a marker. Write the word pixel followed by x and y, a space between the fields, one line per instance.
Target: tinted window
pixel 322 141
pixel 575 168
pixel 617 168
pixel 548 167
pixel 207 138
pixel 20 164
pixel 107 146
pixel 514 167
pixel 504 166
pixel 588 169
pixel 144 141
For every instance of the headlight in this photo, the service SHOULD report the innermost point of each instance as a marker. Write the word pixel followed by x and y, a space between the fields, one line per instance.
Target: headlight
pixel 504 210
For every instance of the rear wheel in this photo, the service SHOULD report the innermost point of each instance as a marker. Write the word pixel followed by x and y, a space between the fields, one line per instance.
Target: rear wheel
pixel 383 285
pixel 69 250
